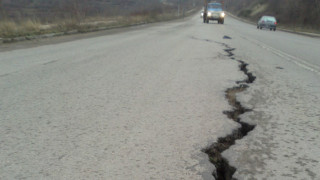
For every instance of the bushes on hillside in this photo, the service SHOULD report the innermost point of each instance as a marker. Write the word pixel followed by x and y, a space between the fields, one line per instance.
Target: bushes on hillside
pixel 290 12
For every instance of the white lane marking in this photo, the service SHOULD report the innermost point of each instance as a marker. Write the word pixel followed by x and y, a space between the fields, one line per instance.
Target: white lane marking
pixel 300 62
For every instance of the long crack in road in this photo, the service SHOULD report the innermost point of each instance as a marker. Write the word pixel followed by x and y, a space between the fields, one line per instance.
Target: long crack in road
pixel 223 170
pixel 143 101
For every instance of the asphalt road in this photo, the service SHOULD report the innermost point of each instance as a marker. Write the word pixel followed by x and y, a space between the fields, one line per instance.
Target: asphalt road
pixel 143 102
pixel 286 100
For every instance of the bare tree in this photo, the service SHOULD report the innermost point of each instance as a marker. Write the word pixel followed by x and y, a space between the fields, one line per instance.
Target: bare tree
pixel 77 10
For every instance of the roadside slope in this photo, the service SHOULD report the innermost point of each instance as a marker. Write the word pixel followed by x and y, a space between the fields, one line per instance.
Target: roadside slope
pixel 296 15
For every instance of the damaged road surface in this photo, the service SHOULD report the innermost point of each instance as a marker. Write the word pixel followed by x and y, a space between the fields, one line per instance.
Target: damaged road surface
pixel 144 102
pixel 285 101
pixel 223 169
pixel 139 104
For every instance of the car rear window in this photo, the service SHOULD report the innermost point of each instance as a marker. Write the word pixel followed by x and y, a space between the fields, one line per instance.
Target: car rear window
pixel 268 18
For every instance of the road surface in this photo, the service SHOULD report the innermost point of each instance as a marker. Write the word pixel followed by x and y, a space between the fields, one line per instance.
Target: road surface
pixel 286 99
pixel 143 103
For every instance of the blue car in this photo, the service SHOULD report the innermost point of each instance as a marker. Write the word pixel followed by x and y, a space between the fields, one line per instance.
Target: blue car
pixel 268 22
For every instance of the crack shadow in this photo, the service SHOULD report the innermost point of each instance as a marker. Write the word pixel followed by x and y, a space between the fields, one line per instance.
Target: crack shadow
pixel 224 171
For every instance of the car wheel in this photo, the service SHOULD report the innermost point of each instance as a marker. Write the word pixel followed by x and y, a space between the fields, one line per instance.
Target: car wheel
pixel 257 27
pixel 260 27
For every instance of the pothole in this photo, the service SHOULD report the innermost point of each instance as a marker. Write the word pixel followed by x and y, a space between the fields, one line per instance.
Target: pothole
pixel 223 170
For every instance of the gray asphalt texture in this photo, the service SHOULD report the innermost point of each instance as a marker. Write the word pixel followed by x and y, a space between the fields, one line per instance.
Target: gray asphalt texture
pixel 138 104
pixel 142 103
pixel 286 100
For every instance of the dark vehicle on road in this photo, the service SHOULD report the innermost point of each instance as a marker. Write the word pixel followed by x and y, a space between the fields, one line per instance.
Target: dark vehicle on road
pixel 268 22
pixel 215 13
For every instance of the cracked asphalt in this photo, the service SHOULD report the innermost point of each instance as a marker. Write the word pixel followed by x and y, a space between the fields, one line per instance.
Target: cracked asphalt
pixel 142 103
pixel 285 98
pixel 138 104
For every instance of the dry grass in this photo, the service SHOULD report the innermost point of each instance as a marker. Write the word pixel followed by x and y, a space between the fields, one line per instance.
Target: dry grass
pixel 11 29
pixel 7 28
pixel 30 26
pixel 66 25
pixel 14 29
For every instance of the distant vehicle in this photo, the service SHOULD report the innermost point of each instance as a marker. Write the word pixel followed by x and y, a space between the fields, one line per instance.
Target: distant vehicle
pixel 214 12
pixel 268 22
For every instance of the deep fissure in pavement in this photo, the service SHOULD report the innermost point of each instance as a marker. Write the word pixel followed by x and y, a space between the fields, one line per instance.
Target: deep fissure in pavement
pixel 223 170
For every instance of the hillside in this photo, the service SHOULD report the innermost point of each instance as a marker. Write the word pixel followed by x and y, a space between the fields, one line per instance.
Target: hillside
pixel 45 10
pixel 27 18
pixel 296 14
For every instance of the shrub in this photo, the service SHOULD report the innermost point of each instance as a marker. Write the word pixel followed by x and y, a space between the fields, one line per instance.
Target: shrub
pixel 7 28
pixel 245 13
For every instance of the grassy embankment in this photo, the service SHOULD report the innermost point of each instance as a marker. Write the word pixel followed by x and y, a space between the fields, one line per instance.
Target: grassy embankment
pixel 30 27
pixel 298 15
